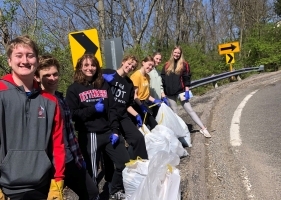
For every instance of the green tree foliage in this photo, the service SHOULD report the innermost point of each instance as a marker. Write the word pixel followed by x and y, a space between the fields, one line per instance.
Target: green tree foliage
pixel 262 46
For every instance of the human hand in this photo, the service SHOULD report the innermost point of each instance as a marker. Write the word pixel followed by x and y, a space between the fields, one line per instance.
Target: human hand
pixel 114 139
pixel 144 108
pixel 99 106
pixel 84 166
pixel 158 102
pixel 56 190
pixel 2 196
pixel 166 101
pixel 139 120
pixel 108 77
pixel 186 95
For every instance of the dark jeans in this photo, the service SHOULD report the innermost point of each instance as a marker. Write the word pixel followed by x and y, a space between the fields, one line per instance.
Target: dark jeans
pixel 80 182
pixel 93 144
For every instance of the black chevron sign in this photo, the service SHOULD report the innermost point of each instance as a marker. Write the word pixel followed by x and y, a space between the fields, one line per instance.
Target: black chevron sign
pixel 229 58
pixel 85 42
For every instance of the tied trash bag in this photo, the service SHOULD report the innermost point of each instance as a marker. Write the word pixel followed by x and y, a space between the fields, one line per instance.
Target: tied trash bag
pixel 171 185
pixel 154 142
pixel 159 184
pixel 133 174
pixel 186 140
pixel 168 118
pixel 175 145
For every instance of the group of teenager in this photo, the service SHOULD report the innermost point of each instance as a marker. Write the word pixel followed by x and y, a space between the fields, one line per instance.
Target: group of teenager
pixel 40 153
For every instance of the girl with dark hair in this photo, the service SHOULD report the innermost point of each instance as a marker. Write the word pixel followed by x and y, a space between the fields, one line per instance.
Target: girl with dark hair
pixel 143 98
pixel 91 104
pixel 176 78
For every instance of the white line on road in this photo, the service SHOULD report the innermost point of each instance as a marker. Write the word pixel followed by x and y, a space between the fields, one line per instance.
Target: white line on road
pixel 235 139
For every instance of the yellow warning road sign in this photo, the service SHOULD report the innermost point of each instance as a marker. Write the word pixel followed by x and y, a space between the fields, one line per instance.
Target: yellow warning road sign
pixel 229 58
pixel 231 47
pixel 82 42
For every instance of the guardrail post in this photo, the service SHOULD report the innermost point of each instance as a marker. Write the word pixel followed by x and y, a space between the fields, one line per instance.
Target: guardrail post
pixel 238 78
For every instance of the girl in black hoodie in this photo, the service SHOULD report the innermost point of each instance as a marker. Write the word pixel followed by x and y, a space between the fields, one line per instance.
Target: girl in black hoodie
pixel 91 103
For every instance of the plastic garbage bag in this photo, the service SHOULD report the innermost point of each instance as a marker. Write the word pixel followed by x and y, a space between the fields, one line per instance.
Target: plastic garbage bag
pixel 186 140
pixel 175 144
pixel 152 187
pixel 155 142
pixel 168 118
pixel 133 174
pixel 171 185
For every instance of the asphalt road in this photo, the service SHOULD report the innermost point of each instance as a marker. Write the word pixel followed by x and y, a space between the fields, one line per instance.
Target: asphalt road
pixel 242 159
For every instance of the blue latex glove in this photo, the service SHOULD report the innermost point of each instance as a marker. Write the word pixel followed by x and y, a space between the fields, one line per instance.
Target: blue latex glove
pixel 166 101
pixel 108 77
pixel 139 120
pixel 144 109
pixel 99 106
pixel 158 101
pixel 186 95
pixel 114 139
pixel 84 164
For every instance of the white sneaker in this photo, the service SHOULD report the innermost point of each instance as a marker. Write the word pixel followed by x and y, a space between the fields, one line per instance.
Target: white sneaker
pixel 205 132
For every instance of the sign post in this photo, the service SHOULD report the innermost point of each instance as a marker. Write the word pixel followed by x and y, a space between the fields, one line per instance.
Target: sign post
pixel 113 53
pixel 82 42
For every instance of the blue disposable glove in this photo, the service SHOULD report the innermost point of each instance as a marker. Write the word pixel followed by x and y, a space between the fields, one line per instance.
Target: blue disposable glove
pixel 99 106
pixel 186 95
pixel 139 120
pixel 84 164
pixel 114 139
pixel 166 101
pixel 108 77
pixel 144 109
pixel 157 101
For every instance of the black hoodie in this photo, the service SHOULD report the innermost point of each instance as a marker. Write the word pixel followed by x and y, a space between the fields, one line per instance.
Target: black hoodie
pixel 123 93
pixel 82 100
pixel 175 84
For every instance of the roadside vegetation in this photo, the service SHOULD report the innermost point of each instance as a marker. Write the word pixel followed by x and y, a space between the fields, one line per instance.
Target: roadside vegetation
pixel 146 26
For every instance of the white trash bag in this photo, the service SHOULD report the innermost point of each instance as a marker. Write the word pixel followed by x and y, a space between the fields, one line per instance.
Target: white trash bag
pixel 158 185
pixel 168 118
pixel 175 145
pixel 133 174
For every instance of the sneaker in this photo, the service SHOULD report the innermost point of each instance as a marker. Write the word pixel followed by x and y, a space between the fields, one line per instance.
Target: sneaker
pixel 117 196
pixel 205 132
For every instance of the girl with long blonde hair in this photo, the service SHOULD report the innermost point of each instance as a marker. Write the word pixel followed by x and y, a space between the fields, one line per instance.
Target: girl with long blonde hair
pixel 176 79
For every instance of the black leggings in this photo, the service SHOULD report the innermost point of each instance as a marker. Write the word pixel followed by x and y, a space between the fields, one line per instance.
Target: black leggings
pixel 148 119
pixel 80 182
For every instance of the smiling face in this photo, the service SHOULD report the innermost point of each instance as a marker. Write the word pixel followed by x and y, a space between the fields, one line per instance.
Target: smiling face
pixel 49 78
pixel 147 66
pixel 88 68
pixel 128 66
pixel 157 59
pixel 23 61
pixel 177 54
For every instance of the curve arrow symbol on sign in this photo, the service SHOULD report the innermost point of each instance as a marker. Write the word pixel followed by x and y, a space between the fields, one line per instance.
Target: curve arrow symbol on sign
pixel 230 58
pixel 85 42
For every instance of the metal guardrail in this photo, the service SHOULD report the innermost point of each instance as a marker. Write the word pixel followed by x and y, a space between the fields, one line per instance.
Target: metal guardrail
pixel 215 78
